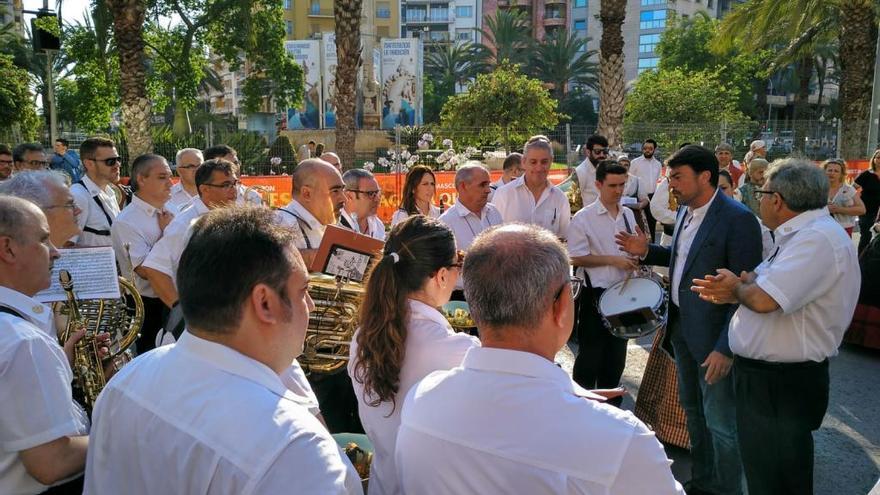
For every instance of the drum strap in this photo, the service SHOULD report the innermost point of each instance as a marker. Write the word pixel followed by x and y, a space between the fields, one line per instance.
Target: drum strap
pixel 100 204
pixel 299 223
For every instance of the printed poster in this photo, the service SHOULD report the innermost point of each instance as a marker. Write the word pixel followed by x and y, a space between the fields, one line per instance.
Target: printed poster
pixel 328 42
pixel 308 55
pixel 401 82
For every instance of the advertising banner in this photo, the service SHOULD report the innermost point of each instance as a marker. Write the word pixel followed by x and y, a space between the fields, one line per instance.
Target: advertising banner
pixel 401 82
pixel 328 49
pixel 307 54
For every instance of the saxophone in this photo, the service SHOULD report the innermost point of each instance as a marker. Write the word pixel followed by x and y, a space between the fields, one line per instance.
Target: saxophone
pixel 121 319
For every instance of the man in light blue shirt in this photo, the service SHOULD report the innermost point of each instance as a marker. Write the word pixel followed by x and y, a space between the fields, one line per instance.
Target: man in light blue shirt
pixel 66 160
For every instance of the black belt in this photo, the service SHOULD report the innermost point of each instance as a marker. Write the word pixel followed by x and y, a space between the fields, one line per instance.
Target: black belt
pixel 769 365
pixel 668 229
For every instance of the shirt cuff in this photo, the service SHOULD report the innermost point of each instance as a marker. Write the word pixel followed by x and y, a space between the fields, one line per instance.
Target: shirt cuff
pixel 775 292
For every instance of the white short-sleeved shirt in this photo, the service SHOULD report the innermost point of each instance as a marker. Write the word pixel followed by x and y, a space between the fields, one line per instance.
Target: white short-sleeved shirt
pixel 513 422
pixel 517 204
pixel 138 227
pixel 586 176
pixel 401 215
pixel 180 198
pixel 375 227
pixel 494 187
pixel 36 402
pixel 199 417
pixel 647 169
pixel 431 345
pixel 814 276
pixel 592 231
pixel 466 225
pixel 93 216
pixel 165 255
pixel 307 230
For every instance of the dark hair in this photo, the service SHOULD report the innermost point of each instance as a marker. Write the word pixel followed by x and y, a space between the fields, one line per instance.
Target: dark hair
pixel 88 147
pixel 421 246
pixel 596 139
pixel 5 149
pixel 682 145
pixel 512 161
pixel 21 149
pixel 413 178
pixel 609 167
pixel 218 151
pixel 204 172
pixel 650 141
pixel 726 175
pixel 141 167
pixel 311 142
pixel 319 149
pixel 63 141
pixel 231 250
pixel 699 159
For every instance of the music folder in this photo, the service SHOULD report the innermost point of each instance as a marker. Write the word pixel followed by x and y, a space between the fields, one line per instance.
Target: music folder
pixel 345 253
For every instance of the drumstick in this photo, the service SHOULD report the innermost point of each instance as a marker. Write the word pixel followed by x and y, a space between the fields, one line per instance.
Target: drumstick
pixel 625 282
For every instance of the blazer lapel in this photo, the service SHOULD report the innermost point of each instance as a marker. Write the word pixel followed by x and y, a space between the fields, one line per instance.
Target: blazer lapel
pixel 712 217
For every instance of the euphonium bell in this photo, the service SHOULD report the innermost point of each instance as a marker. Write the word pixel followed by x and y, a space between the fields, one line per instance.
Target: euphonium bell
pixel 331 324
pixel 121 318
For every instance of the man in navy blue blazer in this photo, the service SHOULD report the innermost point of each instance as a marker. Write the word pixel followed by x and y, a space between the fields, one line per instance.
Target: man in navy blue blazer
pixel 712 231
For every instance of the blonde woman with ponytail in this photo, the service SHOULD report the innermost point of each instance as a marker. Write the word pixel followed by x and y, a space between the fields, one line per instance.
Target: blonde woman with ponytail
pixel 402 336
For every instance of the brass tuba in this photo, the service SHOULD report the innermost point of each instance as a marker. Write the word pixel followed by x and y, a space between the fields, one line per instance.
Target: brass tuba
pixel 122 318
pixel 331 324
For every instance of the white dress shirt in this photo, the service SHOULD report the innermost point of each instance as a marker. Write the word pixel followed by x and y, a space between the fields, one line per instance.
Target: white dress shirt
pixel 180 198
pixel 592 231
pixel 401 215
pixel 635 188
pixel 687 231
pixel 375 227
pixel 814 277
pixel 431 345
pixel 466 225
pixel 138 226
pixel 647 169
pixel 36 403
pixel 586 176
pixel 513 422
pixel 498 184
pixel 198 417
pixel 516 203
pixel 248 195
pixel 92 215
pixel 307 230
pixel 165 255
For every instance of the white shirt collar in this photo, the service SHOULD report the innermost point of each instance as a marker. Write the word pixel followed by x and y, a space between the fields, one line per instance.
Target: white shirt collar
pixel 301 211
pixel 351 220
pixel 178 188
pixel 601 210
pixel 422 310
pixel 521 182
pixel 701 211
pixel 200 206
pixel 35 312
pixel 462 211
pixel 233 362
pixel 797 223
pixel 525 364
pixel 142 205
pixel 93 188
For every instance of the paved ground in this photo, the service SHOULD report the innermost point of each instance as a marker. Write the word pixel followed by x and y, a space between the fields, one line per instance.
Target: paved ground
pixel 847 447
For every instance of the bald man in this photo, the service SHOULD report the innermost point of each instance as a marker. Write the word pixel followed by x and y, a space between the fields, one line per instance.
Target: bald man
pixel 332 159
pixel 318 196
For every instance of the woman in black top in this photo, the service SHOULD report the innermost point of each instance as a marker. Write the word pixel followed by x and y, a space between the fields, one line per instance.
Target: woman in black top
pixel 868 182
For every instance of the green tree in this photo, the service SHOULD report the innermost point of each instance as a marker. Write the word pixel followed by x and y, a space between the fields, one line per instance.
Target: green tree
pixel 454 64
pixel 578 107
pixel 435 97
pixel 506 37
pixel 503 106
pixel 562 59
pixel 17 111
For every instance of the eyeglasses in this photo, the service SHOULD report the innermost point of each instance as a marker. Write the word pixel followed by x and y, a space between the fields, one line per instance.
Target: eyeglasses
pixel 70 205
pixel 459 259
pixel 6 162
pixel 370 194
pixel 110 162
pixel 600 151
pixel 188 167
pixel 575 283
pixel 38 163
pixel 225 185
pixel 759 194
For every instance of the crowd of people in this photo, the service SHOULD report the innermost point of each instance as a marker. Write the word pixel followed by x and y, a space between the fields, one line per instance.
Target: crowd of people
pixel 220 404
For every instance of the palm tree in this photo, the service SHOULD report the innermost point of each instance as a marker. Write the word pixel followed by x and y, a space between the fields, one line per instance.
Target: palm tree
pixel 562 59
pixel 128 22
pixel 799 26
pixel 454 64
pixel 612 85
pixel 348 53
pixel 507 36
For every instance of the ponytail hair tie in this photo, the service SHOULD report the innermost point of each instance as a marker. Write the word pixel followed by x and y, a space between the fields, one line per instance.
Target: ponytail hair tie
pixel 394 257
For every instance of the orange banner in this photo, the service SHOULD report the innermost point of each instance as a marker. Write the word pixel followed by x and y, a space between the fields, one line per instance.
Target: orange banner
pixel 276 189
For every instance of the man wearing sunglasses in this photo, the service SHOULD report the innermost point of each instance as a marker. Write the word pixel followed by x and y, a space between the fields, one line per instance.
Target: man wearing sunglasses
pixel 597 150
pixel 362 198
pixel 94 195
pixel 29 156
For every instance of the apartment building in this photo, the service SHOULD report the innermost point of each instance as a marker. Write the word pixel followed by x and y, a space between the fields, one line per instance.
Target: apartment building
pixel 544 16
pixel 306 19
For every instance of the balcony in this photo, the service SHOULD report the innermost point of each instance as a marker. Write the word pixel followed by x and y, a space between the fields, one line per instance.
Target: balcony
pixel 317 12
pixel 554 21
pixel 436 37
pixel 431 18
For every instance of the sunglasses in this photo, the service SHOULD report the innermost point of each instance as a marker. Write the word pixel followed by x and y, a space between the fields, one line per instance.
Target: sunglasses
pixel 110 162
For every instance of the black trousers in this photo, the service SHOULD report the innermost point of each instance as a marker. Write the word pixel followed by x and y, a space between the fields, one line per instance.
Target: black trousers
pixel 652 222
pixel 865 224
pixel 601 356
pixel 337 401
pixel 778 406
pixel 155 313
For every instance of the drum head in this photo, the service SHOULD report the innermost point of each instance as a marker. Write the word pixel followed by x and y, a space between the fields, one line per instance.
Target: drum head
pixel 637 293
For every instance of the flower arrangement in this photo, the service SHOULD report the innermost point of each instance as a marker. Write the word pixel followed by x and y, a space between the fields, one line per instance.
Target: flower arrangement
pixel 396 162
pixel 450 159
pixel 426 141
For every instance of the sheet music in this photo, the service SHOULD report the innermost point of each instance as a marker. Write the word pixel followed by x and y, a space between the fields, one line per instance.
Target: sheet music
pixel 93 271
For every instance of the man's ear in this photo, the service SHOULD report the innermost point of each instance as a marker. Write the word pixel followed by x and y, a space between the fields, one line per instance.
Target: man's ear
pixel 7 249
pixel 263 302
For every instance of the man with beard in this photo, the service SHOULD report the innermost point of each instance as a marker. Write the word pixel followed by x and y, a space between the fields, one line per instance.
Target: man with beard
pixel 647 168
pixel 597 150
pixel 94 194
pixel 318 197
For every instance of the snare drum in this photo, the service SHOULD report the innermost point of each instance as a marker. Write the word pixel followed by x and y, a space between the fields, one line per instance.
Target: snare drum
pixel 634 308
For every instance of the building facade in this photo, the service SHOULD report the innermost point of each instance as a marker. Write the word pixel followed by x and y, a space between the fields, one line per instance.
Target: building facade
pixel 544 16
pixel 305 19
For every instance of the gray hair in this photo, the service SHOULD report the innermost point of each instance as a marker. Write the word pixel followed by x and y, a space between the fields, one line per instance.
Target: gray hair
pixel 141 166
pixel 19 151
pixel 802 185
pixel 33 185
pixel 539 142
pixel 525 257
pixel 184 151
pixel 352 178
pixel 465 173
pixel 758 164
pixel 724 147
pixel 14 216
